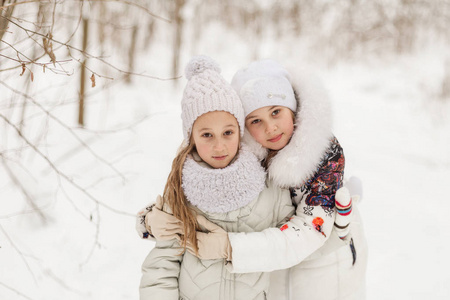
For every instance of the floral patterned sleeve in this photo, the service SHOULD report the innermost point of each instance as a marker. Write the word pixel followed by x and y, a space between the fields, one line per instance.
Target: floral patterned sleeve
pixel 322 187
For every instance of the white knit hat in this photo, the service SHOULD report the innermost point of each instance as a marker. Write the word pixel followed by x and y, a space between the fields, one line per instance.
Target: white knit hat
pixel 264 83
pixel 207 91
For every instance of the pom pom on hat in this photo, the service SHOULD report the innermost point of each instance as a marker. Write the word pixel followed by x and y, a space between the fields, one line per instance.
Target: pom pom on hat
pixel 206 91
pixel 199 64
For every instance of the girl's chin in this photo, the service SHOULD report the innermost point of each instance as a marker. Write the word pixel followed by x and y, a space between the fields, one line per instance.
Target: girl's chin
pixel 276 147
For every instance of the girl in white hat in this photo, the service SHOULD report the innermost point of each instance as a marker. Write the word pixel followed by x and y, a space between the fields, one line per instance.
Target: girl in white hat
pixel 288 123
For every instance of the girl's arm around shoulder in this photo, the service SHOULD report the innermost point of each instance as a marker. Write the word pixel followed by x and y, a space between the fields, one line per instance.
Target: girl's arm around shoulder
pixel 306 231
pixel 279 248
pixel 160 271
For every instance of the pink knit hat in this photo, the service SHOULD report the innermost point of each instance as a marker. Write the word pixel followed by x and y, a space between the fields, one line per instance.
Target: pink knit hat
pixel 206 91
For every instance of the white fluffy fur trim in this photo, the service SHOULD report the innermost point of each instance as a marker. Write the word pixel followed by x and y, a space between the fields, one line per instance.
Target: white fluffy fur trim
pixel 223 190
pixel 299 160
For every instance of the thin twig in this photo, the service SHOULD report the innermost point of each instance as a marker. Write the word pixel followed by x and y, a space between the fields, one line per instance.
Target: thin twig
pixel 24 191
pixel 71 131
pixel 61 187
pixel 19 252
pixel 120 1
pixel 58 280
pixel 18 3
pixel 66 177
pixel 129 127
pixel 34 62
pixel 88 55
pixel 26 212
pixel 136 5
pixel 96 243
pixel 15 291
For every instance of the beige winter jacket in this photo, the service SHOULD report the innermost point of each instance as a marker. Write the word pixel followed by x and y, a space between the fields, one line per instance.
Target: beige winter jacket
pixel 167 275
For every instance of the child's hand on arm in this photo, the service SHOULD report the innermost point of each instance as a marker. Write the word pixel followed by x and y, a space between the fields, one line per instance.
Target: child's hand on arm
pixel 213 244
pixel 152 221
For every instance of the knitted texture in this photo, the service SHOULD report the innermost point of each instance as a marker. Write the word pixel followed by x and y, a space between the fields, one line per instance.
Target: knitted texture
pixel 264 83
pixel 223 190
pixel 206 91
pixel 344 210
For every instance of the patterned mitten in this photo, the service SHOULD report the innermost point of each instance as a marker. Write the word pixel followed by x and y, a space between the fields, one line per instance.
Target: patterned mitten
pixel 344 211
pixel 140 221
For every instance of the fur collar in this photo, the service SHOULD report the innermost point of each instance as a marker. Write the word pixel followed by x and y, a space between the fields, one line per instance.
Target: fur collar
pixel 299 160
pixel 223 190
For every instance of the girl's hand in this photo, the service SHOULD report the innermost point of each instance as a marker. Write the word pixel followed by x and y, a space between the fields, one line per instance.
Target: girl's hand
pixel 140 221
pixel 157 223
pixel 212 244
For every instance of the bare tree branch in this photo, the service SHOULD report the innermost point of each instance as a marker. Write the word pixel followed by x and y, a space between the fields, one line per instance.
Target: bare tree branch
pixel 18 3
pixel 61 187
pixel 136 5
pixel 118 1
pixel 18 251
pixel 15 291
pixel 34 62
pixel 96 242
pixel 24 191
pixel 25 212
pixel 58 280
pixel 60 173
pixel 88 55
pixel 71 131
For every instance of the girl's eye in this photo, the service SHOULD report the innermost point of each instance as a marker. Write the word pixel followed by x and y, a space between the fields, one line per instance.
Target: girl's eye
pixel 207 135
pixel 228 132
pixel 256 121
pixel 275 112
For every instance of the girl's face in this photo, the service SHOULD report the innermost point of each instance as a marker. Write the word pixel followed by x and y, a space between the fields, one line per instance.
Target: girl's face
pixel 271 126
pixel 216 137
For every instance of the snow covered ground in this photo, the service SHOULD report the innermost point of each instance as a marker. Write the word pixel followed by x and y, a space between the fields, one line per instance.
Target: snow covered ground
pixel 394 130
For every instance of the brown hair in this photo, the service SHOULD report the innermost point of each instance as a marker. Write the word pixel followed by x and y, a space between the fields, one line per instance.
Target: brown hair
pixel 175 198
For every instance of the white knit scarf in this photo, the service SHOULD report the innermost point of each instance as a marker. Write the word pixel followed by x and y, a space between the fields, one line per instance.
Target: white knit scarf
pixel 223 190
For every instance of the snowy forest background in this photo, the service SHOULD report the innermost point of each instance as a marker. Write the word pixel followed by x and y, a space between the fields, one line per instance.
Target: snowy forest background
pixel 89 125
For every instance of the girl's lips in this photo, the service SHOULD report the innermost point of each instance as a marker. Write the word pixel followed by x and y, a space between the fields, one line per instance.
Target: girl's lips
pixel 276 139
pixel 220 157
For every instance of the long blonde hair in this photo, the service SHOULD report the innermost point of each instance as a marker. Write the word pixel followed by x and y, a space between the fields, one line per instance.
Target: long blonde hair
pixel 175 198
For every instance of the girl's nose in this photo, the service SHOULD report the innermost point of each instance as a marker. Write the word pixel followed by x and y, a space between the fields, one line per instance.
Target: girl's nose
pixel 218 145
pixel 271 127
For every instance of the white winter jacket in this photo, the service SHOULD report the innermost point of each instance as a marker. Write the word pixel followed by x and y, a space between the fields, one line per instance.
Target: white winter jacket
pixel 170 275
pixel 322 266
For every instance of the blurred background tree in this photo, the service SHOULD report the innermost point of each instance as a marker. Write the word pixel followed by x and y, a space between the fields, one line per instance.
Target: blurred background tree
pixel 73 72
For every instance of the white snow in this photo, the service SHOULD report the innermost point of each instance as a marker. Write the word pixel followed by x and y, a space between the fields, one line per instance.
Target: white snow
pixel 387 116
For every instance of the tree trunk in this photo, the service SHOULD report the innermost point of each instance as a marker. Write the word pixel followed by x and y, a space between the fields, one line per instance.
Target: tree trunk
pixel 178 35
pixel 131 53
pixel 83 74
pixel 5 15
